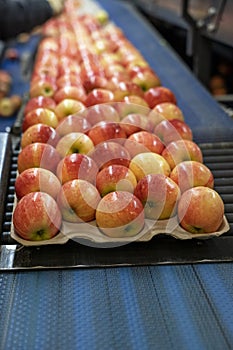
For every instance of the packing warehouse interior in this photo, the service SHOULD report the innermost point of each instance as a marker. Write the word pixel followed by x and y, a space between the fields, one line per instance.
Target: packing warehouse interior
pixel 116 174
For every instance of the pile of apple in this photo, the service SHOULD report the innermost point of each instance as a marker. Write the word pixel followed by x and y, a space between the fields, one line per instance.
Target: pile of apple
pixel 103 141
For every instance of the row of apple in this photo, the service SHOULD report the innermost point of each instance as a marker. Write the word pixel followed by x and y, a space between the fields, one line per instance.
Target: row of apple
pixel 118 163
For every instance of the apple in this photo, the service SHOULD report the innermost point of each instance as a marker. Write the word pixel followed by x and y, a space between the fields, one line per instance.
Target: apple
pixel 39 102
pixel 109 153
pixel 169 110
pixel 200 210
pixel 67 107
pixel 149 163
pixel 6 107
pixel 181 150
pixel 42 87
pixel 98 95
pixel 115 178
pixel 136 122
pixel 37 217
pixel 94 82
pixel 101 112
pixel 78 200
pixel 123 89
pixel 39 133
pixel 173 130
pixel 74 142
pixel 159 94
pixel 40 116
pixel 159 195
pixel 146 79
pixel 70 92
pixel 138 101
pixel 73 123
pixel 77 166
pixel 106 130
pixel 120 214
pixel 37 180
pixel 143 141
pixel 131 105
pixel 190 174
pixel 38 155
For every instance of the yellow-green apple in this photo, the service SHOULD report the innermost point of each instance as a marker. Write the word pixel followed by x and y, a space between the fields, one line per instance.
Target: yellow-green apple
pixel 149 163
pixel 159 94
pixel 42 87
pixel 40 116
pixel 181 150
pixel 115 178
pixel 73 123
pixel 159 195
pixel 67 107
pixel 39 133
pixel 109 153
pixel 200 210
pixel 120 214
pixel 98 95
pixel 146 79
pixel 77 166
pixel 74 142
pixel 106 130
pixel 38 155
pixel 39 102
pixel 123 89
pixel 169 110
pixel 131 105
pixel 136 122
pixel 190 174
pixel 37 180
pixel 70 92
pixel 137 100
pixel 6 107
pixel 78 200
pixel 101 112
pixel 173 130
pixel 143 141
pixel 37 217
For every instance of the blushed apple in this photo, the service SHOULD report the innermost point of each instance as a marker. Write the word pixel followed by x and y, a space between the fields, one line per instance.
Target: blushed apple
pixel 143 141
pixel 101 112
pixel 106 130
pixel 77 166
pixel 39 133
pixel 38 155
pixel 173 130
pixel 40 116
pixel 115 178
pixel 120 214
pixel 149 163
pixel 178 151
pixel 73 123
pixel 98 95
pixel 190 174
pixel 42 87
pixel 37 180
pixel 200 210
pixel 37 217
pixel 70 92
pixel 159 195
pixel 68 107
pixel 78 200
pixel 146 79
pixel 169 110
pixel 123 89
pixel 74 142
pixel 132 105
pixel 159 94
pixel 134 122
pixel 39 102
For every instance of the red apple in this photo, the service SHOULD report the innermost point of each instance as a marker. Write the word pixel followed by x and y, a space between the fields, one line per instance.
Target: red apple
pixel 178 151
pixel 37 217
pixel 169 110
pixel 136 122
pixel 101 112
pixel 131 105
pixel 39 102
pixel 40 116
pixel 42 87
pixel 70 92
pixel 120 214
pixel 78 200
pixel 104 131
pixel 71 79
pixel 74 142
pixel 67 107
pixel 95 82
pixel 115 178
pixel 37 180
pixel 149 163
pixel 97 96
pixel 143 141
pixel 39 133
pixel 173 130
pixel 73 123
pixel 159 195
pixel 200 210
pixel 38 155
pixel 190 174
pixel 109 153
pixel 159 94
pixel 77 166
